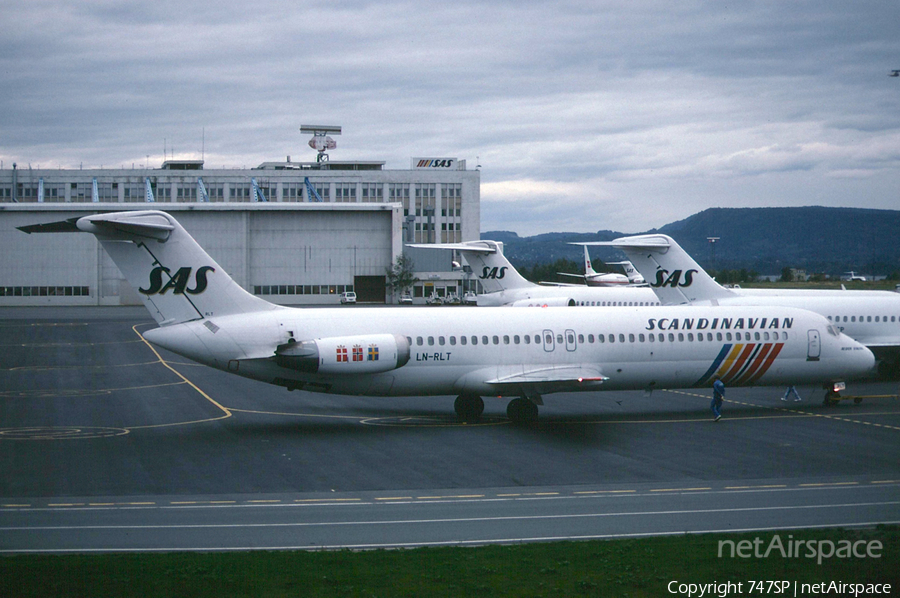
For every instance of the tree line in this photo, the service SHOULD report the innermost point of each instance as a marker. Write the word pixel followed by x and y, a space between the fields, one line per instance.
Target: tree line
pixel 551 272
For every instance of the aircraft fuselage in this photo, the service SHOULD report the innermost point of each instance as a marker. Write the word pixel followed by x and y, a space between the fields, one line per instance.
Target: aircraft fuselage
pixel 511 352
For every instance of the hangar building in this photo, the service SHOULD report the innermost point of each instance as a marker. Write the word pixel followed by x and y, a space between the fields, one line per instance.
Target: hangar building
pixel 293 233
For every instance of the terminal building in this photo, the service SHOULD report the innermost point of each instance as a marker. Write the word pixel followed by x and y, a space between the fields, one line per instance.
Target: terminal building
pixel 293 233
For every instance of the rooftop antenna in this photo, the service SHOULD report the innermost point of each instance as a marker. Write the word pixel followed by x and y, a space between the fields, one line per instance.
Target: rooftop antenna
pixel 321 140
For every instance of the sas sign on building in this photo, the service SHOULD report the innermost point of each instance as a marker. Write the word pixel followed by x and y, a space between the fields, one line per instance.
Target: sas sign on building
pixel 430 163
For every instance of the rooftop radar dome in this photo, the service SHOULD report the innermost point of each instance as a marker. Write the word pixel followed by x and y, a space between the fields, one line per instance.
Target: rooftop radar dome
pixel 321 140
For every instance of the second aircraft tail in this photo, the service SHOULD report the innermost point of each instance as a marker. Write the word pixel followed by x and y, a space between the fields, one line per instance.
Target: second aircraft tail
pixel 669 270
pixel 488 264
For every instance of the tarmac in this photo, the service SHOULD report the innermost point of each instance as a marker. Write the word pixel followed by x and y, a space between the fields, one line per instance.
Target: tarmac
pixel 109 444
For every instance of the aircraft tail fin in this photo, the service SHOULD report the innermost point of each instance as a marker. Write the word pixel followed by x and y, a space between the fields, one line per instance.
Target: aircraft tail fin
pixel 672 274
pixel 488 264
pixel 588 268
pixel 176 279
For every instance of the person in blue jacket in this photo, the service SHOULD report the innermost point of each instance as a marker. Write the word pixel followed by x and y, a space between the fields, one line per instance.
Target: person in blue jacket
pixel 718 396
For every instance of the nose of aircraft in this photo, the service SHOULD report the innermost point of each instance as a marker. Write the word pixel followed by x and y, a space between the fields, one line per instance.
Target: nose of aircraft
pixel 859 359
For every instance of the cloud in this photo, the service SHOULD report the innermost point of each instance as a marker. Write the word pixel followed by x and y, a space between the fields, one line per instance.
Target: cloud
pixel 624 112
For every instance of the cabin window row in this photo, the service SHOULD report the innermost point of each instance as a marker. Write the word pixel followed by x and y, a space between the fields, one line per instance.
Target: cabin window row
pixel 861 318
pixel 617 303
pixel 570 338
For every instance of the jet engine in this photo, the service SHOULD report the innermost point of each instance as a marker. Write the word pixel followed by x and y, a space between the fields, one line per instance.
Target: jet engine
pixel 366 354
pixel 545 302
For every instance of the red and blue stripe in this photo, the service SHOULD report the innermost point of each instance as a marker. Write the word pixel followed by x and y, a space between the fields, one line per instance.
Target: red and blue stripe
pixel 741 364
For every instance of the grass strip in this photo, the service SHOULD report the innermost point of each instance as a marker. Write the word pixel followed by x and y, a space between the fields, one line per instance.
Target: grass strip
pixel 629 567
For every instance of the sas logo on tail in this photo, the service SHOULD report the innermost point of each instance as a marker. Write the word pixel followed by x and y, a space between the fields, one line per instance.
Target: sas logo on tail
pixel 178 282
pixel 495 273
pixel 664 279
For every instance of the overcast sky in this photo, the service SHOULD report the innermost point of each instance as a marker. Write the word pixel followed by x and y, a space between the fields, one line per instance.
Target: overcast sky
pixel 583 115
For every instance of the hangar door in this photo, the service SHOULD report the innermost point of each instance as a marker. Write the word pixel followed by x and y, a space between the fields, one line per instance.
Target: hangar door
pixel 370 289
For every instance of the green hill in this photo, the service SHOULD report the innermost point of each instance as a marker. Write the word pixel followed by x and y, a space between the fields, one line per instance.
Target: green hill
pixel 819 240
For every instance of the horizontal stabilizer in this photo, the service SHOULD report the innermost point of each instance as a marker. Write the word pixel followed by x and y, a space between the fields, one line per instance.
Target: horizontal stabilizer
pixel 65 226
pixel 479 248
pixel 127 224
pixel 146 225
pixel 650 242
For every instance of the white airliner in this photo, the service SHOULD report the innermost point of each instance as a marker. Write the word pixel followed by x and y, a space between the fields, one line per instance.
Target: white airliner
pixel 634 277
pixel 525 353
pixel 503 285
pixel 870 317
pixel 592 278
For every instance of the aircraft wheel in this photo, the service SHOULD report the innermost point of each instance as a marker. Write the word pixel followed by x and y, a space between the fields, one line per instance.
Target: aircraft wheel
pixel 857 400
pixel 514 410
pixel 522 411
pixel 468 407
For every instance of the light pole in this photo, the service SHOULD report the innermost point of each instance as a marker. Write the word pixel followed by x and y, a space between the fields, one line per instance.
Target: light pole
pixel 712 249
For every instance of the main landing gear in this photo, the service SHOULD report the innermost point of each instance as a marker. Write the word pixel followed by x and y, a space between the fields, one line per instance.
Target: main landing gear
pixel 469 408
pixel 522 411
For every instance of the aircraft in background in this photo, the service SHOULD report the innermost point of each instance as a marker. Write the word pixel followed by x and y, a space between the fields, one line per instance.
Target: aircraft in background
pixel 204 315
pixel 852 276
pixel 503 285
pixel 634 277
pixel 592 278
pixel 870 317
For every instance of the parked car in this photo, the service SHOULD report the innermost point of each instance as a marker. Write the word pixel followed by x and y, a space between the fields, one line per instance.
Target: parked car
pixel 348 297
pixel 434 299
pixel 470 298
pixel 405 299
pixel 452 299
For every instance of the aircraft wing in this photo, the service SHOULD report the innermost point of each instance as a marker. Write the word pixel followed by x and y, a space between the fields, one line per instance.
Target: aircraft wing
pixel 546 283
pixel 549 379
